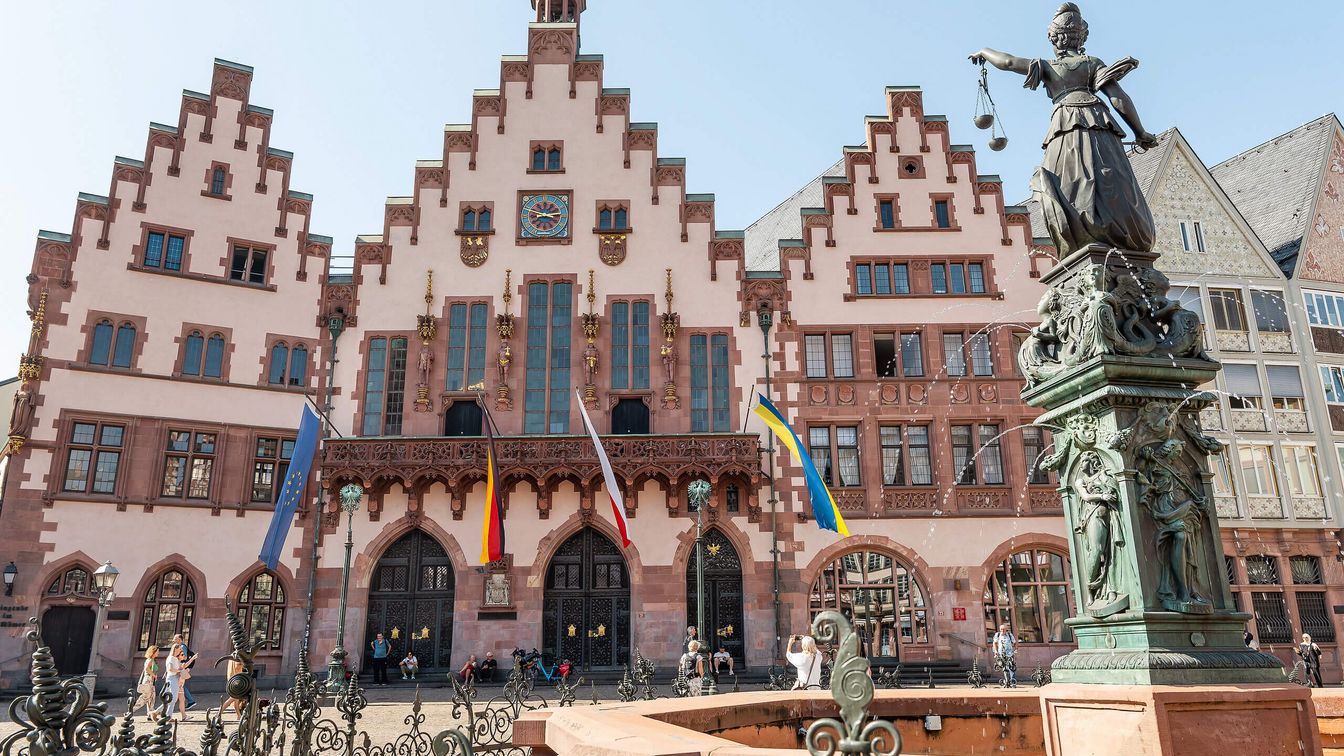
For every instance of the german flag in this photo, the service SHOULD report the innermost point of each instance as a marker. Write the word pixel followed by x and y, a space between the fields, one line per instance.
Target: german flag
pixel 492 529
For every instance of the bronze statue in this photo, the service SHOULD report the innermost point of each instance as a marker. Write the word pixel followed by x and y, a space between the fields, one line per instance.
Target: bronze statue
pixel 1085 184
pixel 1178 510
pixel 1099 497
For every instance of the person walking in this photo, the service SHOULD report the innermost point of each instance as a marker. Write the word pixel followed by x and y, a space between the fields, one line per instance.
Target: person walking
pixel 806 660
pixel 1004 648
pixel 381 648
pixel 691 635
pixel 692 666
pixel 149 675
pixel 176 689
pixel 189 660
pixel 1310 653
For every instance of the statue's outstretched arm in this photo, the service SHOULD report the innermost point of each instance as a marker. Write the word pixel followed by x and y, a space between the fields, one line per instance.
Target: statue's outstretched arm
pixel 1000 60
pixel 1124 106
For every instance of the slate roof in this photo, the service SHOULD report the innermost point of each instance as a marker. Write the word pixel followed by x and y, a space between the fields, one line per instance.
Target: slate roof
pixel 784 222
pixel 1275 183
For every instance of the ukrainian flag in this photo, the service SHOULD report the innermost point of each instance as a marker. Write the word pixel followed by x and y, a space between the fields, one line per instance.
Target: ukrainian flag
pixel 824 509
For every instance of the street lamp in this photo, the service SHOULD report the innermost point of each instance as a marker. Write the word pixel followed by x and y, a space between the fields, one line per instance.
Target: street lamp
pixel 104 580
pixel 350 496
pixel 697 493
pixel 11 572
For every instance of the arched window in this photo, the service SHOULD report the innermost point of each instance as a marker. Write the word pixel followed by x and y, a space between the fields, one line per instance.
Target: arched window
pixel 279 358
pixel 214 356
pixel 261 609
pixel 604 219
pixel 102 343
pixel 1030 591
pixel 73 581
pixel 622 218
pixel 191 354
pixel 880 595
pixel 554 163
pixel 298 365
pixel 168 608
pixel 539 159
pixel 485 221
pixel 469 220
pixel 125 346
pixel 217 181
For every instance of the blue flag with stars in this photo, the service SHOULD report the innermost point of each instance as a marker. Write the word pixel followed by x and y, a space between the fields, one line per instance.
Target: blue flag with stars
pixel 300 463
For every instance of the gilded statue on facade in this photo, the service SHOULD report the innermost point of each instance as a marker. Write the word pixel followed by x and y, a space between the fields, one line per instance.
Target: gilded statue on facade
pixel 1085 185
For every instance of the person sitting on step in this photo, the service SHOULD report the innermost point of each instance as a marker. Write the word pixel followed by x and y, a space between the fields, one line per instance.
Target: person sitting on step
pixel 409 666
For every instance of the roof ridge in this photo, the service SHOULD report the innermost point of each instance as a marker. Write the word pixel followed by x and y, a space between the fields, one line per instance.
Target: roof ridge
pixel 1274 139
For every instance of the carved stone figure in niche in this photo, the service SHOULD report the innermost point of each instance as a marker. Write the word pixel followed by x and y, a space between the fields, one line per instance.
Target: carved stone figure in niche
pixel 1177 507
pixel 590 359
pixel 21 420
pixel 498 590
pixel 1080 431
pixel 1100 533
pixel 425 363
pixel 505 359
pixel 669 355
pixel 1085 184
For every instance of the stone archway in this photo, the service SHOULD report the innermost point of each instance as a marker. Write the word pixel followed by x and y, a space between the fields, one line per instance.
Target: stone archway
pixel 724 615
pixel 411 590
pixel 587 603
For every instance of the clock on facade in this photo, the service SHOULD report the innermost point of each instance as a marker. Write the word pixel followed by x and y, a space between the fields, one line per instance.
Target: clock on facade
pixel 544 216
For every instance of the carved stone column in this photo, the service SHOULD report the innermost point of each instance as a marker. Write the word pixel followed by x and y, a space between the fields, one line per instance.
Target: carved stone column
pixel 1115 364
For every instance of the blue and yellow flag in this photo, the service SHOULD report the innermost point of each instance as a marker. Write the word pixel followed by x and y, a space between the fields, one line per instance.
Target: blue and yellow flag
pixel 824 509
pixel 296 476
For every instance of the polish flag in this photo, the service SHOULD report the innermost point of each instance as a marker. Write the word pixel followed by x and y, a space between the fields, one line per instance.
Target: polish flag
pixel 613 490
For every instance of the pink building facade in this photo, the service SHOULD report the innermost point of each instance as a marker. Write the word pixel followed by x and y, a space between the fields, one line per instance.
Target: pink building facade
pixel 550 255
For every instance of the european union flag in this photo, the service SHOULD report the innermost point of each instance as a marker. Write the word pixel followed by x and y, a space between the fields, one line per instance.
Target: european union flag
pixel 300 463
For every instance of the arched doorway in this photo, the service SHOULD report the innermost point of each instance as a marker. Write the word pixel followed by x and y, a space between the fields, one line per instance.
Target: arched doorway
pixel 587 607
pixel 412 591
pixel 68 629
pixel 723 596
pixel 880 596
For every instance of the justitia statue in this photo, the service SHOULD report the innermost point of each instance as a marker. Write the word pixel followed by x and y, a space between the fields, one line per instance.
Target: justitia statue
pixel 1085 185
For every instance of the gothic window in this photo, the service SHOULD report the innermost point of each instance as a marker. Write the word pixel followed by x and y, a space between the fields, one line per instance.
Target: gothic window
pixel 886 213
pixel 163 251
pixel 630 345
pixel 101 349
pixel 710 410
pixel 289 367
pixel 93 458
pixel 188 464
pixel 385 386
pixel 217 178
pixel 547 157
pixel 942 214
pixel 202 357
pixel 613 217
pixel 1030 592
pixel 550 314
pixel 261 609
pixel 880 595
pixel 466 344
pixel 477 219
pixel 192 352
pixel 269 463
pixel 168 608
pixel 74 581
pixel 248 265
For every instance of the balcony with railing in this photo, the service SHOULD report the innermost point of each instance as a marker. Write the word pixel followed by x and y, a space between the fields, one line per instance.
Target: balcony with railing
pixel 458 463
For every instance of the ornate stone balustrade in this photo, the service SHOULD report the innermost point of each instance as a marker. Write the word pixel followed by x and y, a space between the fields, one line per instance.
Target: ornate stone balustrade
pixel 1309 507
pixel 1265 507
pixel 1279 343
pixel 414 462
pixel 992 499
pixel 1292 421
pixel 1233 341
pixel 1248 420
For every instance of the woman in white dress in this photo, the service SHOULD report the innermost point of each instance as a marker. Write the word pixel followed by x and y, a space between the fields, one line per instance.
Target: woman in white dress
pixel 806 660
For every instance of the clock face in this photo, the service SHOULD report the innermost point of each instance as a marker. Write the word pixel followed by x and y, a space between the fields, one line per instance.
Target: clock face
pixel 544 216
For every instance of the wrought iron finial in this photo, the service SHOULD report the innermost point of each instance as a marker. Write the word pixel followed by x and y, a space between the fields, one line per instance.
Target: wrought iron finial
pixel 852 690
pixel 698 494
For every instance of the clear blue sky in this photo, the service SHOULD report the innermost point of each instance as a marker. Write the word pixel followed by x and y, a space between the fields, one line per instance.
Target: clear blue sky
pixel 758 96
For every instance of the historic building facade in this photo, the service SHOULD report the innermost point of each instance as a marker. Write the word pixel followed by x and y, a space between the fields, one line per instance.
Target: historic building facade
pixel 549 256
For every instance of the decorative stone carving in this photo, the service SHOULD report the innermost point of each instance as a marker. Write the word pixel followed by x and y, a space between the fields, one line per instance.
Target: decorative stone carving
pixel 1098 495
pixel 1180 510
pixel 498 591
pixel 1108 308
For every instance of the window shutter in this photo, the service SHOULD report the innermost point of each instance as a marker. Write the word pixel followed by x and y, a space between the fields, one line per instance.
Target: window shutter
pixel 1242 380
pixel 1285 381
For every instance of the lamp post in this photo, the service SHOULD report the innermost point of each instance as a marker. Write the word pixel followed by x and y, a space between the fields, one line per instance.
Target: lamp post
pixel 766 319
pixel 350 496
pixel 697 493
pixel 104 580
pixel 11 572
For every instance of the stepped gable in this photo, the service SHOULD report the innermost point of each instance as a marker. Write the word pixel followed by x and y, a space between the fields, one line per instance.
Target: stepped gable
pixel 1276 185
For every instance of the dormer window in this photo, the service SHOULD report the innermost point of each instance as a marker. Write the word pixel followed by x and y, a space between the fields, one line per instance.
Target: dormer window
pixel 547 157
